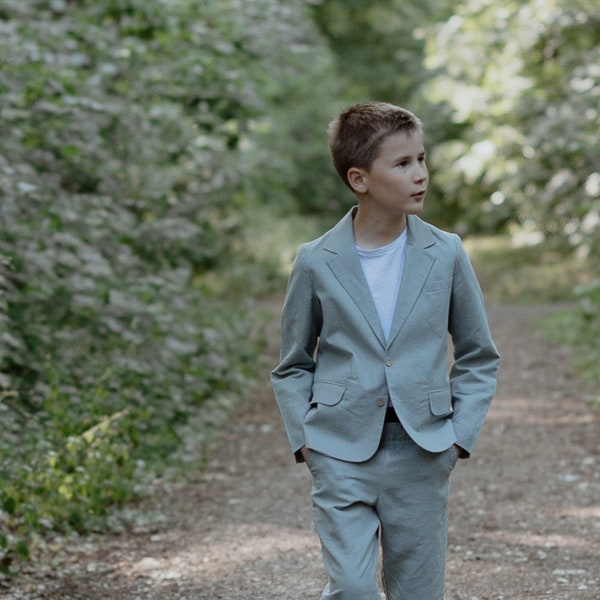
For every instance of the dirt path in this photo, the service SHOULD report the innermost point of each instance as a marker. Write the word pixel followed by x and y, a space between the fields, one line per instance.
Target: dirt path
pixel 525 511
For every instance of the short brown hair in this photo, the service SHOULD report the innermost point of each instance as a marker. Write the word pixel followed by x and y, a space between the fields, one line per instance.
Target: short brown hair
pixel 356 134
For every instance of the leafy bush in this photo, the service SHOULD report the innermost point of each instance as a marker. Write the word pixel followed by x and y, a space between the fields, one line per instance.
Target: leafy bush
pixel 134 136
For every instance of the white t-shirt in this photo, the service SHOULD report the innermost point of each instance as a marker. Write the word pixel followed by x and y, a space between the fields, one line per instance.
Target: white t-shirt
pixel 383 269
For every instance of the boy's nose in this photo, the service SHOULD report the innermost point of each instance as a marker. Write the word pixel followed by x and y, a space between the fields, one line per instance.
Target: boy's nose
pixel 420 174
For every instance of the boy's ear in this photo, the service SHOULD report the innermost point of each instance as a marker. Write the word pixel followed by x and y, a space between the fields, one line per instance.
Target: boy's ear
pixel 357 178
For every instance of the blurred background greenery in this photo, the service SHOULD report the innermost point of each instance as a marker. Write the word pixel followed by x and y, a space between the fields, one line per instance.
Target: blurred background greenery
pixel 160 161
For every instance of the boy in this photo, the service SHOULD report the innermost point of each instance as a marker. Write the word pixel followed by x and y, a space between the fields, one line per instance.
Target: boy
pixel 363 386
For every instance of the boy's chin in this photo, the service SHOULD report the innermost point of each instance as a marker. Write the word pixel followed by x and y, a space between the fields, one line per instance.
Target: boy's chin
pixel 416 209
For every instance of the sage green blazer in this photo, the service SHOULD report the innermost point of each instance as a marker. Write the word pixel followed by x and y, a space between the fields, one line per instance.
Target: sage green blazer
pixel 337 372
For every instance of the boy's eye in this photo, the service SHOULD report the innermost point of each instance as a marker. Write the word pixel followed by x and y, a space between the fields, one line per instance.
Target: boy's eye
pixel 407 162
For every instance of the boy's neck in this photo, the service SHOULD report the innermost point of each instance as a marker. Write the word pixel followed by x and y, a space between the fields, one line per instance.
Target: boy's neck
pixel 371 232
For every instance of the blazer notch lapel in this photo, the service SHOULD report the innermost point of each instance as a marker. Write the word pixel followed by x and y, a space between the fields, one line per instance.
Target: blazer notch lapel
pixel 417 266
pixel 348 272
pixel 345 266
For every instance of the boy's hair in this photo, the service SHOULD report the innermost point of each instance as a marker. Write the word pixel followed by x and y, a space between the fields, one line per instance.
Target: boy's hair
pixel 355 136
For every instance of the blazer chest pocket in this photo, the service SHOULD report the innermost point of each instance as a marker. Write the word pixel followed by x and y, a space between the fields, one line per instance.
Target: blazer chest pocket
pixel 440 402
pixel 438 285
pixel 327 393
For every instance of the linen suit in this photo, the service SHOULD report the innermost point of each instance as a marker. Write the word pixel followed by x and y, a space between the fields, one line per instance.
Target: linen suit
pixel 338 374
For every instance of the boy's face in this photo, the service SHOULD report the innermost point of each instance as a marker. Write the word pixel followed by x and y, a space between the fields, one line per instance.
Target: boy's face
pixel 397 181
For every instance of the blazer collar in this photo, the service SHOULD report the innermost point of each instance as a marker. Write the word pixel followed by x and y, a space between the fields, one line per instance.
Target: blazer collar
pixel 345 265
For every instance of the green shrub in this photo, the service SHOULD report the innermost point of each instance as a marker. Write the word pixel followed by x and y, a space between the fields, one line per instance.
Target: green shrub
pixel 125 143
pixel 87 439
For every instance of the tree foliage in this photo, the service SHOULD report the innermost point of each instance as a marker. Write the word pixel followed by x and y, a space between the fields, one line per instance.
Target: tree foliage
pixel 379 45
pixel 523 84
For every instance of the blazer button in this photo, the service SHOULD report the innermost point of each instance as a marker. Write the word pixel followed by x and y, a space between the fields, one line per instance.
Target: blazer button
pixel 389 362
pixel 381 402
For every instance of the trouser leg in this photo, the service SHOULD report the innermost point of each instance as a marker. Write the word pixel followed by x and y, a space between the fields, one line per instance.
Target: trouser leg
pixel 347 525
pixel 413 511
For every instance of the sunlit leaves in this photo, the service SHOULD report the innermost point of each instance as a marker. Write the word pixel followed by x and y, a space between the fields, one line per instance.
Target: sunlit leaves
pixel 524 77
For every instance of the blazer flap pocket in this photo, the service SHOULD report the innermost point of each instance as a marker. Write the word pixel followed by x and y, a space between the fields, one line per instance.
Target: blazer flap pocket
pixel 440 402
pixel 325 392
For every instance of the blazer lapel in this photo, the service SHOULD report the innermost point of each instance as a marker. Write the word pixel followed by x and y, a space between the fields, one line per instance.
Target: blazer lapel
pixel 417 265
pixel 345 265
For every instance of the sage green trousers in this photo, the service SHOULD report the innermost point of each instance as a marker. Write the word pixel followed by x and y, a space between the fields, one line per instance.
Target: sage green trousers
pixel 398 500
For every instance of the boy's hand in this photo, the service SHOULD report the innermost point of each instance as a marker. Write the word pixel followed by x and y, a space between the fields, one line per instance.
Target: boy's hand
pixel 460 452
pixel 304 451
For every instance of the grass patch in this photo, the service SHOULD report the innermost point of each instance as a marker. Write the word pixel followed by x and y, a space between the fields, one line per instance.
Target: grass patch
pixel 525 274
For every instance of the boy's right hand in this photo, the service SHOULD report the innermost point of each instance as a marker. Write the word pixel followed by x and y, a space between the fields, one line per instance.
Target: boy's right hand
pixel 304 451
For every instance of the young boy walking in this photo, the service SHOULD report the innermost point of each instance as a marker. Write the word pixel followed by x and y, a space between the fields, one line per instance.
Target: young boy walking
pixel 363 386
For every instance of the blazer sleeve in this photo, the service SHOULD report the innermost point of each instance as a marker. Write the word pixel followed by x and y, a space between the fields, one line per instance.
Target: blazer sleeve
pixel 476 359
pixel 301 322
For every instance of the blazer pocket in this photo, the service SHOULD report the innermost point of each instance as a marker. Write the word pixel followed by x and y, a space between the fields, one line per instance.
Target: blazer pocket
pixel 327 393
pixel 438 285
pixel 440 402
